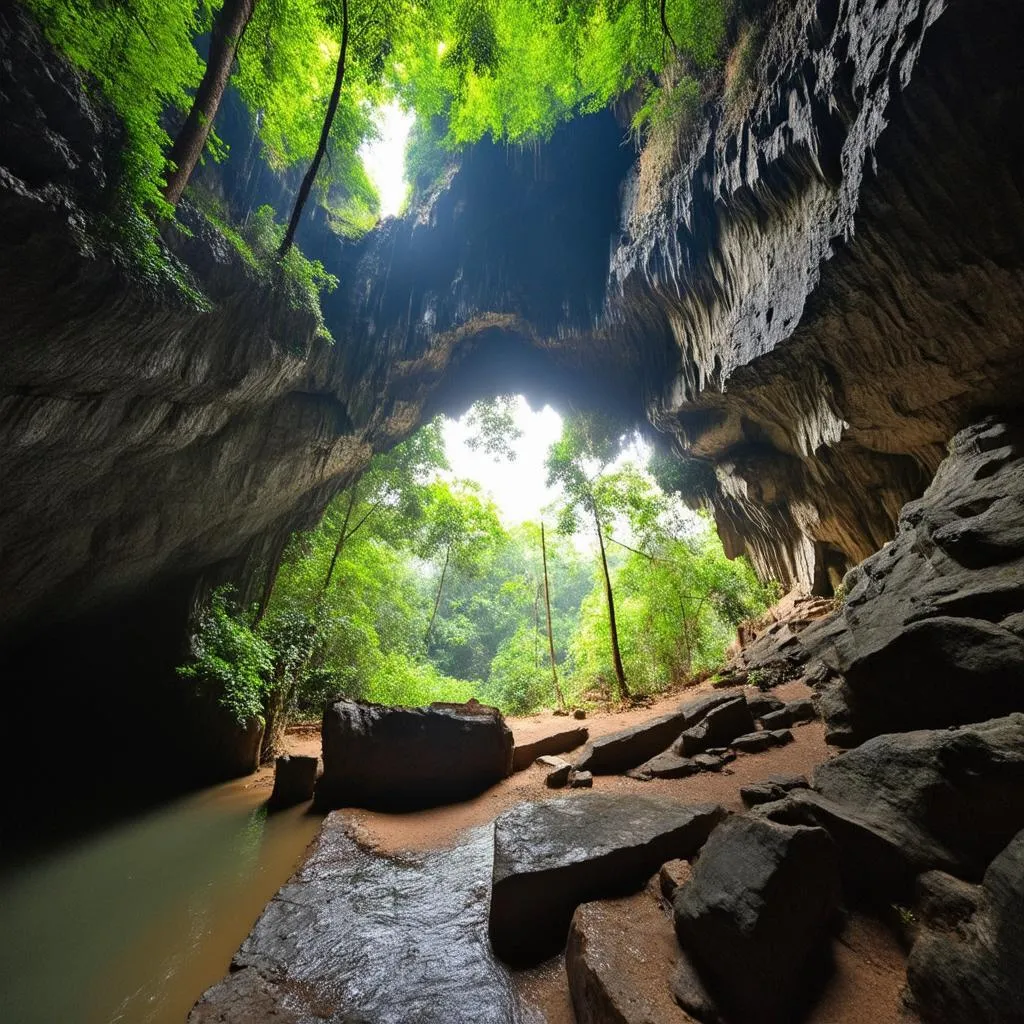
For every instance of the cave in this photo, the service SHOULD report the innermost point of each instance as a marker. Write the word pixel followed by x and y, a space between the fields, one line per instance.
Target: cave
pixel 814 307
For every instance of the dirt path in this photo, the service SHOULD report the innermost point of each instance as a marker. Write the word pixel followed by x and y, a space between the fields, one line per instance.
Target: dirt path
pixel 870 964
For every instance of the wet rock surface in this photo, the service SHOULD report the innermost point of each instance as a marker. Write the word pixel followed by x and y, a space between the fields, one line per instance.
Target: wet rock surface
pixel 396 757
pixel 355 936
pixel 756 913
pixel 552 855
pixel 911 802
pixel 557 743
pixel 619 958
pixel 965 966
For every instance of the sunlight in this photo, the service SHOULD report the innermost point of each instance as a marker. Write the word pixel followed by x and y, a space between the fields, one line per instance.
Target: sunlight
pixel 384 158
pixel 518 488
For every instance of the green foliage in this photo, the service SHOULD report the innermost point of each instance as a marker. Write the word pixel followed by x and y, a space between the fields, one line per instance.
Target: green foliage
pixel 300 279
pixel 493 423
pixel 229 660
pixel 141 55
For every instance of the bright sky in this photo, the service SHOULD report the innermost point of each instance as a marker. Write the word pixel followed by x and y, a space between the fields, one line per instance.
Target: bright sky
pixel 384 158
pixel 516 487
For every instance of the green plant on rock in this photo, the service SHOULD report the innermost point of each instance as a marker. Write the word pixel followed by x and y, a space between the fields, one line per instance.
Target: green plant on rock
pixel 229 661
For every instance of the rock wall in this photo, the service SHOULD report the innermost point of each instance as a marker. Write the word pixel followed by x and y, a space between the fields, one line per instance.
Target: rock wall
pixel 809 299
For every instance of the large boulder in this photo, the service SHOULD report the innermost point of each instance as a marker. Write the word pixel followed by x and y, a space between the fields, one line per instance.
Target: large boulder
pixel 717 728
pixel 355 936
pixel 294 779
pixel 756 913
pixel 620 751
pixel 556 743
pixel 899 805
pixel 612 960
pixel 398 757
pixel 930 632
pixel 552 855
pixel 966 964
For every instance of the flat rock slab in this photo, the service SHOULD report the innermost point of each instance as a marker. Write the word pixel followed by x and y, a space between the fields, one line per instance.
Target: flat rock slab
pixel 400 758
pixel 620 959
pixel 354 936
pixel 620 751
pixel 552 855
pixel 557 743
pixel 755 742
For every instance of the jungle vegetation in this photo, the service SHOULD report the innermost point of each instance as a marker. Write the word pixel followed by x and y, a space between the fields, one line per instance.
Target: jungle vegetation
pixel 312 72
pixel 412 589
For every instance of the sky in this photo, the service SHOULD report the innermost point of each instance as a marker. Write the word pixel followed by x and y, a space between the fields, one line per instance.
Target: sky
pixel 518 487
pixel 384 158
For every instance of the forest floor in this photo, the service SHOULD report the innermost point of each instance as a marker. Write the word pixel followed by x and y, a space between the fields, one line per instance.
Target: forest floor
pixel 870 964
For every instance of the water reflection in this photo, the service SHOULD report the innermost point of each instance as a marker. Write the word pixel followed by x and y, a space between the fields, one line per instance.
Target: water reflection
pixel 130 925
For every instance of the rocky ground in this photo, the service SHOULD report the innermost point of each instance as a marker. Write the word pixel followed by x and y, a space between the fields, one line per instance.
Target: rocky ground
pixel 637 929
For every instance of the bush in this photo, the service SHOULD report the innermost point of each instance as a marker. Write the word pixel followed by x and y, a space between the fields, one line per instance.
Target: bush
pixel 229 661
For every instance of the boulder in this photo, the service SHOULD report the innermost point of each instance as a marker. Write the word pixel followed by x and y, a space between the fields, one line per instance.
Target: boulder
pixel 900 805
pixel 756 912
pixel 755 742
pixel 965 966
pixel 581 780
pixel 761 704
pixel 558 771
pixel 673 874
pixel 802 710
pixel 781 719
pixel 665 766
pixel 773 787
pixel 355 936
pixel 690 994
pixel 579 714
pixel 612 961
pixel 559 742
pixel 398 757
pixel 620 751
pixel 721 724
pixel 552 855
pixel 294 779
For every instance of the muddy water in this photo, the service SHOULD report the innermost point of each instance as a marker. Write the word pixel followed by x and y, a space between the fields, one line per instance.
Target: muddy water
pixel 132 924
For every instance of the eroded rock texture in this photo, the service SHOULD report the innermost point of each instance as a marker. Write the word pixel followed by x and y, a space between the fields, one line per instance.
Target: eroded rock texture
pixel 355 936
pixel 931 632
pixel 809 301
pixel 965 964
pixel 839 266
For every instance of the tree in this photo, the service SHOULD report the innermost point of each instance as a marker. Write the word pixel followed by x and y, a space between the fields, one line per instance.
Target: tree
pixel 229 25
pixel 325 133
pixel 577 461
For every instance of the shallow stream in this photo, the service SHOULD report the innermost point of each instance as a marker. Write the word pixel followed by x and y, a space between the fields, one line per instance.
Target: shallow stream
pixel 132 924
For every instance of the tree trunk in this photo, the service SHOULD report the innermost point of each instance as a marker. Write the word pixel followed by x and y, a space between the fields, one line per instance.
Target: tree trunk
pixel 440 585
pixel 551 637
pixel 620 673
pixel 536 628
pixel 332 107
pixel 228 27
pixel 342 537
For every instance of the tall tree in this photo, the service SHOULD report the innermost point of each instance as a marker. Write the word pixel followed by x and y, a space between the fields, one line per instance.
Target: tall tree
pixel 577 461
pixel 229 25
pixel 551 636
pixel 325 133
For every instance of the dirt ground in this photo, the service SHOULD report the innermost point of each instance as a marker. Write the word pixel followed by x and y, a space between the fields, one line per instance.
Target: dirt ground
pixel 870 965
